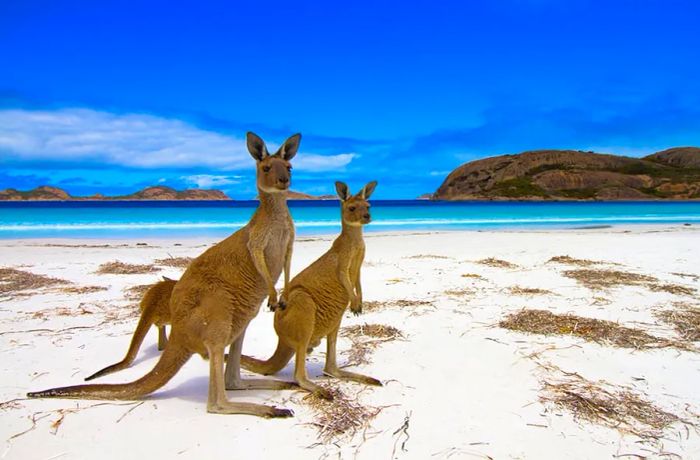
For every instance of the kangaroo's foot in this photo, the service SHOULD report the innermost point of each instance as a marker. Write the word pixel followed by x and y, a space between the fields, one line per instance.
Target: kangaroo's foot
pixel 345 375
pixel 259 384
pixel 227 407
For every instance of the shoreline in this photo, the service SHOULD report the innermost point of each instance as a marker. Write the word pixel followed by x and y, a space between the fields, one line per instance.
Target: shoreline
pixel 368 233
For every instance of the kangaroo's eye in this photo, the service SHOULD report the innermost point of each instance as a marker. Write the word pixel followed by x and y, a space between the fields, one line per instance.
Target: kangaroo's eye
pixel 351 208
pixel 266 168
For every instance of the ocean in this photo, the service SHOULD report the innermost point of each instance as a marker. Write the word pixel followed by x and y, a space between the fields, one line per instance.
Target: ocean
pixel 138 219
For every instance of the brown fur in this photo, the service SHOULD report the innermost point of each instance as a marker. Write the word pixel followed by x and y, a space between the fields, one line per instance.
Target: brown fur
pixel 155 311
pixel 317 298
pixel 218 295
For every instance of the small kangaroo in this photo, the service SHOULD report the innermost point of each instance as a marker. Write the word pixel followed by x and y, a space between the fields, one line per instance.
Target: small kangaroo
pixel 317 298
pixel 155 310
pixel 218 295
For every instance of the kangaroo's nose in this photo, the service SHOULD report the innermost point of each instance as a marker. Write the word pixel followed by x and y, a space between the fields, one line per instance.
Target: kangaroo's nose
pixel 366 216
pixel 284 180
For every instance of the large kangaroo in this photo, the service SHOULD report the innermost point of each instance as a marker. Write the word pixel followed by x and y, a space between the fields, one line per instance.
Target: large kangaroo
pixel 317 298
pixel 218 295
pixel 155 310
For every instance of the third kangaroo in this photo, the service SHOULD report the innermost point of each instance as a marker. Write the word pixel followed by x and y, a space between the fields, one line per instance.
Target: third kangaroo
pixel 313 304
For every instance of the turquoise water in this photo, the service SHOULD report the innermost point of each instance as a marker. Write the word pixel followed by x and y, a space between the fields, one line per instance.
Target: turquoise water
pixel 215 218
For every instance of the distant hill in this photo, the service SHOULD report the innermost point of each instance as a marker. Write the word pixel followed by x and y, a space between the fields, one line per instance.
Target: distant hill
pixel 576 175
pixel 160 192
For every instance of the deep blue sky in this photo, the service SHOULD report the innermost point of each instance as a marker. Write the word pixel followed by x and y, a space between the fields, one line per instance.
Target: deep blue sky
pixel 111 96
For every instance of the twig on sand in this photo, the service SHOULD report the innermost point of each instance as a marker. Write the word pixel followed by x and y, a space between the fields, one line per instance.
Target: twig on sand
pixel 129 411
pixel 402 431
pixel 56 424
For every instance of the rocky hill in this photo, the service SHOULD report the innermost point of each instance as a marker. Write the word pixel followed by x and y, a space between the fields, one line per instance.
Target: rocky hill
pixel 576 175
pixel 46 193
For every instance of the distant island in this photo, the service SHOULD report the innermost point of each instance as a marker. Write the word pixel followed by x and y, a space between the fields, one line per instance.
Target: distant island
pixel 158 192
pixel 576 175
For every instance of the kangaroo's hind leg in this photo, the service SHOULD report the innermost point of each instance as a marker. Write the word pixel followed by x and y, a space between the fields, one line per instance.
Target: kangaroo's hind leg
pixel 233 372
pixel 219 404
pixel 162 338
pixel 331 367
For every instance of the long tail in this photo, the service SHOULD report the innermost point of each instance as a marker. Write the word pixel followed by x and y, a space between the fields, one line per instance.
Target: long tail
pixel 273 365
pixel 145 323
pixel 172 359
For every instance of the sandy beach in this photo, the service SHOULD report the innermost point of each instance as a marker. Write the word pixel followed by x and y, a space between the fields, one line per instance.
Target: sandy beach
pixel 463 377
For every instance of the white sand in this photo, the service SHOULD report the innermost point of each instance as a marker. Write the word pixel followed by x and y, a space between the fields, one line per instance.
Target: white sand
pixel 469 388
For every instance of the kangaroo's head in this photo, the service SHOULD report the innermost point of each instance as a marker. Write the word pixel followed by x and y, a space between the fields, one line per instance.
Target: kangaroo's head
pixel 274 172
pixel 354 209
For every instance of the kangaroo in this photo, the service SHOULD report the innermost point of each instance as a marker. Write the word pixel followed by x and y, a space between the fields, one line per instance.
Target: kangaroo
pixel 218 295
pixel 315 300
pixel 155 310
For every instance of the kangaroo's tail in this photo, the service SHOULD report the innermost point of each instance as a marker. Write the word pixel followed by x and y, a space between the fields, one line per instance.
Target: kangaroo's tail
pixel 172 359
pixel 145 323
pixel 273 365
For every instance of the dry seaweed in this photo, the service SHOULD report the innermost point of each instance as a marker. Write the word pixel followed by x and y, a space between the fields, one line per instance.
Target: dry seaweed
pixel 427 256
pixel 618 409
pixel 460 292
pixel 365 338
pixel 374 305
pixel 82 289
pixel 472 275
pixel 137 292
pixel 525 291
pixel 176 262
pixel 590 329
pixel 568 260
pixel 341 417
pixel 686 321
pixel 120 268
pixel 13 281
pixel 676 289
pixel 496 263
pixel 603 279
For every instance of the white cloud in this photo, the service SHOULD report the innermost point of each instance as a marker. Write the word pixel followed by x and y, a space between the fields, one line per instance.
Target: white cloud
pixel 131 140
pixel 208 181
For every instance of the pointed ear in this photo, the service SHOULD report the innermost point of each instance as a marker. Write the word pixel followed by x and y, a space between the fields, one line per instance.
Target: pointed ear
pixel 367 190
pixel 342 189
pixel 256 146
pixel 290 147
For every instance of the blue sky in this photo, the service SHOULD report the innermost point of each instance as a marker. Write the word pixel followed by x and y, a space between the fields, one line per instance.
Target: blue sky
pixel 113 96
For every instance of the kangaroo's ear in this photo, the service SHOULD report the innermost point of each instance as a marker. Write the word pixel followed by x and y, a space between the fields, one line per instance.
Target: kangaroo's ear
pixel 367 190
pixel 290 147
pixel 342 189
pixel 256 146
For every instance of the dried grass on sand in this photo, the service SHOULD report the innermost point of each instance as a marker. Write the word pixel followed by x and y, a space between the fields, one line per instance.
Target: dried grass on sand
pixel 604 279
pixel 686 321
pixel 340 417
pixel 374 305
pixel 427 256
pixel 13 281
pixel 120 268
pixel 176 262
pixel 365 338
pixel 137 292
pixel 618 409
pixel 592 330
pixel 568 260
pixel 496 263
pixel 472 275
pixel 82 289
pixel 524 291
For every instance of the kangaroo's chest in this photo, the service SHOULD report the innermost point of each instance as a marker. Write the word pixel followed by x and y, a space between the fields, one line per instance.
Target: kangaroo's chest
pixel 276 248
